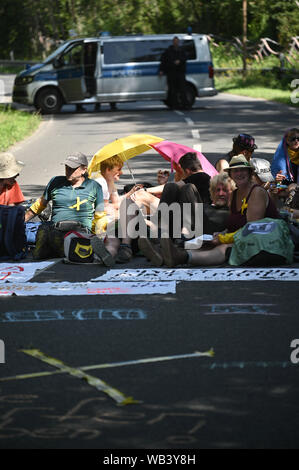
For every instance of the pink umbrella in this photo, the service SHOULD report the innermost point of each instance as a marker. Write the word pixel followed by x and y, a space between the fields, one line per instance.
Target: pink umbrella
pixel 172 152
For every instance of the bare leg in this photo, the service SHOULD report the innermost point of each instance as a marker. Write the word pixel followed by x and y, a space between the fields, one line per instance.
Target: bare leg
pixel 208 257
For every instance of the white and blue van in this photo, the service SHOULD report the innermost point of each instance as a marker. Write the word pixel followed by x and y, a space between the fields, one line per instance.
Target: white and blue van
pixel 111 69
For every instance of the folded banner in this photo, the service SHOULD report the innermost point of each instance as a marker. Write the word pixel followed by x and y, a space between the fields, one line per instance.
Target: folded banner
pixel 87 288
pixel 21 272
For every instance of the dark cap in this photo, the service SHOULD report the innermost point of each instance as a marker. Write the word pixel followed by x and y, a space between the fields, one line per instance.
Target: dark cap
pixel 76 159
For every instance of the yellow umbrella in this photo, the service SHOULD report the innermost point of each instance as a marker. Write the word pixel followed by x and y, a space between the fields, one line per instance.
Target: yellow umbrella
pixel 126 147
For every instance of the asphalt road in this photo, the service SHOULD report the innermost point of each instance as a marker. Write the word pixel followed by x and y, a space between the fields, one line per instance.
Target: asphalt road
pixel 243 396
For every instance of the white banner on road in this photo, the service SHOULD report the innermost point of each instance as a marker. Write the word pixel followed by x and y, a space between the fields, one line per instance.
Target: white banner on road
pixel 87 288
pixel 198 274
pixel 21 272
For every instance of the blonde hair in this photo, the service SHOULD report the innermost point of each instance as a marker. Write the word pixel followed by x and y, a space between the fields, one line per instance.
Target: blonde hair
pixel 221 178
pixel 110 163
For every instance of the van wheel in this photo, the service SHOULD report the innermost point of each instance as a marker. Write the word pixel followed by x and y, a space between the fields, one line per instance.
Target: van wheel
pixel 49 101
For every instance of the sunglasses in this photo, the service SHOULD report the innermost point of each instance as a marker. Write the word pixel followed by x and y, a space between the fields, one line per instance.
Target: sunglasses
pixel 293 139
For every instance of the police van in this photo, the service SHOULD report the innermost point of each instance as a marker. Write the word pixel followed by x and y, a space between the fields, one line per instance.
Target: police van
pixel 111 69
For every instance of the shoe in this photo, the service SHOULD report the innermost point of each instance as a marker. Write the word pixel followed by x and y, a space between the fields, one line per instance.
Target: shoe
pixel 171 254
pixel 124 254
pixel 100 251
pixel 150 251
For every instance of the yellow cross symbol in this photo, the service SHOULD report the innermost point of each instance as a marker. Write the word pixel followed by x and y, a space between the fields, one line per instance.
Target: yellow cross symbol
pixel 78 204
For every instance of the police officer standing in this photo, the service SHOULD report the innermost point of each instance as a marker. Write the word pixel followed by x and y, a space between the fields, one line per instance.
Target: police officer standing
pixel 173 65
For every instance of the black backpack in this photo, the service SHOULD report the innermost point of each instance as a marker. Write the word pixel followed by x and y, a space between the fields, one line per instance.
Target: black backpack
pixel 12 232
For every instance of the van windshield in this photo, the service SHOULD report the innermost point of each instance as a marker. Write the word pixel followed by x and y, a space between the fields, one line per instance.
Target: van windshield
pixel 56 52
pixel 122 52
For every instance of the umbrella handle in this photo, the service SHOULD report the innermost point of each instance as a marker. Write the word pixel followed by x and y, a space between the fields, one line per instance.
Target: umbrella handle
pixel 130 172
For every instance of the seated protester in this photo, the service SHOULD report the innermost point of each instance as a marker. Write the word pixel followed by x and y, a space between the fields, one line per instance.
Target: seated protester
pixel 292 201
pixel 216 214
pixel 263 176
pixel 285 162
pixel 189 171
pixel 194 174
pixel 10 191
pixel 250 202
pixel 243 144
pixel 76 202
pixel 221 164
pixel 262 172
pixel 111 170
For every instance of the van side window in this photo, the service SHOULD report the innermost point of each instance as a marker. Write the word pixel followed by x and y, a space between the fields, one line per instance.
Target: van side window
pixel 122 52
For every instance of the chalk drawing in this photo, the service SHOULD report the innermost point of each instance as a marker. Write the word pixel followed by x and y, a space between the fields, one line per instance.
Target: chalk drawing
pixel 240 309
pixel 81 315
pixel 219 274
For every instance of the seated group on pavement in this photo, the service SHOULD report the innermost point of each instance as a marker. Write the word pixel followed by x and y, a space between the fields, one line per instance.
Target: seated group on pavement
pixel 195 220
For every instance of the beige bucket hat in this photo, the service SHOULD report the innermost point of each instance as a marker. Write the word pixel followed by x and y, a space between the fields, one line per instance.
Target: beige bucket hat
pixel 9 166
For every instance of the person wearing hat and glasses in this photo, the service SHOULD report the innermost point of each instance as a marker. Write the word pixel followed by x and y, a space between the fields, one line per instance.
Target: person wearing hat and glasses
pixel 250 202
pixel 10 191
pixel 76 202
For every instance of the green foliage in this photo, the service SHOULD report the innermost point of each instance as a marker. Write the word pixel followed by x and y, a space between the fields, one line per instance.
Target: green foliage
pixel 27 26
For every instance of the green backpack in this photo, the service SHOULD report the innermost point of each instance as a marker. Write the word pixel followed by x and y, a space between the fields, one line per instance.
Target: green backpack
pixel 265 242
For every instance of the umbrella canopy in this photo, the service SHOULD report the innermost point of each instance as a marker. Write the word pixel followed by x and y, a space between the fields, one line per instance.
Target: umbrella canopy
pixel 172 152
pixel 126 147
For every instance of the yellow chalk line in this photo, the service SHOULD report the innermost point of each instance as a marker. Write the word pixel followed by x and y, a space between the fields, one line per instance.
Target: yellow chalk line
pixel 99 384
pixel 209 353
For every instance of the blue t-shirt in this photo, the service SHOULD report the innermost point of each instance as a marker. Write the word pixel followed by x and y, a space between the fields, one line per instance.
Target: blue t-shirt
pixel 77 203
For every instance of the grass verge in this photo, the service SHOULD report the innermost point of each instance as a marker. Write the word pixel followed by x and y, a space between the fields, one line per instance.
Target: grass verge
pixel 260 85
pixel 15 126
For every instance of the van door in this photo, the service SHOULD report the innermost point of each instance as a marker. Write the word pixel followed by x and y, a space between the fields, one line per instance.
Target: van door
pixel 130 69
pixel 70 72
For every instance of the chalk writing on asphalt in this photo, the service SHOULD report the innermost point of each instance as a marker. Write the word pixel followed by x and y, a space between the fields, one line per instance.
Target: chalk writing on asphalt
pixel 80 314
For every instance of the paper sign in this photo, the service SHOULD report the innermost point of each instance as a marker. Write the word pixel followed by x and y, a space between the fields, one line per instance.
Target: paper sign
pixel 87 288
pixel 21 272
pixel 198 274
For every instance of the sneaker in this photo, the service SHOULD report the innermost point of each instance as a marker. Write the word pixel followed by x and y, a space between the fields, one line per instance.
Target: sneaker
pixel 99 249
pixel 171 254
pixel 124 254
pixel 150 251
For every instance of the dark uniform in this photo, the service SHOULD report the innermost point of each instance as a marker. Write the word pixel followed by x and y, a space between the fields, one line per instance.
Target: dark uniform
pixel 175 72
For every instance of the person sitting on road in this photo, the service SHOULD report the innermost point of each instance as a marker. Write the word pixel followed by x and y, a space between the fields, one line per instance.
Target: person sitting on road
pixel 77 201
pixel 215 215
pixel 284 166
pixel 10 191
pixel 221 164
pixel 250 202
pixel 243 144
pixel 110 172
pixel 189 171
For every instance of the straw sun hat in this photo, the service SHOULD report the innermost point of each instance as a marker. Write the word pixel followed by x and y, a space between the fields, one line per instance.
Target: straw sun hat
pixel 9 166
pixel 238 161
